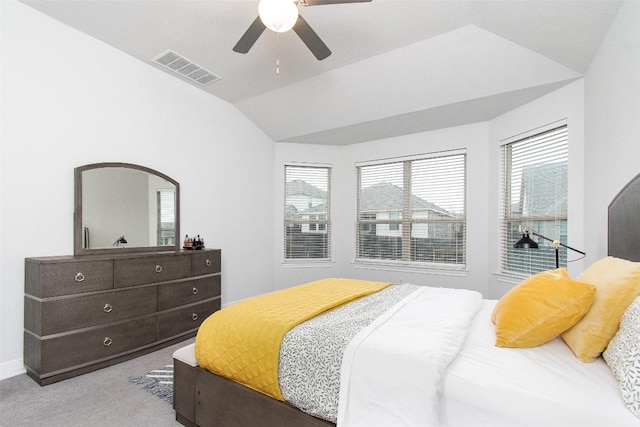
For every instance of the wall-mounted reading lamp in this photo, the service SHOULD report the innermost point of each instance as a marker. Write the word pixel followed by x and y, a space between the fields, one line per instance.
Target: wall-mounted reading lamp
pixel 120 240
pixel 526 243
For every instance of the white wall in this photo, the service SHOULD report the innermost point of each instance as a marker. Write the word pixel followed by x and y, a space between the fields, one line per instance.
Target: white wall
pixel 612 123
pixel 70 100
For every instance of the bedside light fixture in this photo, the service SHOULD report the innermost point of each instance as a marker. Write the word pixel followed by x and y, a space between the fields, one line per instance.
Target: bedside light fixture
pixel 278 15
pixel 526 243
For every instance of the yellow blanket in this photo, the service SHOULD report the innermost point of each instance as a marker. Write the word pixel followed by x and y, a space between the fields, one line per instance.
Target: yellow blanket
pixel 242 341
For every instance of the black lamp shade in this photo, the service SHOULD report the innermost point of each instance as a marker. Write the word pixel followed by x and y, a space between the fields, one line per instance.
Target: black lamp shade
pixel 525 243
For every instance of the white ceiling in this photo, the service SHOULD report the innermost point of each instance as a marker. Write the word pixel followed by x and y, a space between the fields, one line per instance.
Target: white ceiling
pixel 397 67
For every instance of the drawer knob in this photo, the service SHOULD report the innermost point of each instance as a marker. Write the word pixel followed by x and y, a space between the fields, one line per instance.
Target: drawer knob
pixel 195 290
pixel 107 341
pixel 79 277
pixel 107 308
pixel 194 316
pixel 158 268
pixel 208 262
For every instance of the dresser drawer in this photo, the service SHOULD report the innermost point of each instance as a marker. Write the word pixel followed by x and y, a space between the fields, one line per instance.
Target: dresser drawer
pixel 92 345
pixel 68 314
pixel 143 270
pixel 205 262
pixel 45 279
pixel 187 292
pixel 185 319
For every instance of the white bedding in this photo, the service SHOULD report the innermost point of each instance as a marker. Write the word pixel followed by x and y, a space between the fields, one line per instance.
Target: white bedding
pixel 545 386
pixel 541 386
pixel 392 370
pixel 400 371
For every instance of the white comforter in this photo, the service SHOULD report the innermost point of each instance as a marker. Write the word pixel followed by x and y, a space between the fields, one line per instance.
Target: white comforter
pixel 392 370
pixel 544 386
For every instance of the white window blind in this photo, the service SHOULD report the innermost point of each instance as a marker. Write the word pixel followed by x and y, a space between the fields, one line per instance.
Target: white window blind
pixel 413 210
pixel 307 222
pixel 534 187
pixel 166 232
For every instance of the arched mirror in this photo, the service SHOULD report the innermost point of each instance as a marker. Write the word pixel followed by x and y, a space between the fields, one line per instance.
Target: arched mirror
pixel 121 207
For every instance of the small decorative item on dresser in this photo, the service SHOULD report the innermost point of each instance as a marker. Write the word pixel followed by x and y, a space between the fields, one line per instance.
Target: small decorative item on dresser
pixel 193 243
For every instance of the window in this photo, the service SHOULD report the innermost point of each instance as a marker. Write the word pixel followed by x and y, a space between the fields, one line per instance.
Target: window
pixel 413 210
pixel 394 216
pixel 166 230
pixel 307 224
pixel 534 188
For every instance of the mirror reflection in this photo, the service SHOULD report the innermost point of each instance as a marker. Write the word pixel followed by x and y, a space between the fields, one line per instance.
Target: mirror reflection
pixel 125 206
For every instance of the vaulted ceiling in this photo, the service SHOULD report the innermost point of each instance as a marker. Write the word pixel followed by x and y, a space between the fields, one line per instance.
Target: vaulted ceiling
pixel 397 67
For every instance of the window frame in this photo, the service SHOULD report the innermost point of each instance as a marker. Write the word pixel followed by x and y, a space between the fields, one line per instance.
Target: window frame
pixel 520 263
pixel 316 224
pixel 161 228
pixel 404 224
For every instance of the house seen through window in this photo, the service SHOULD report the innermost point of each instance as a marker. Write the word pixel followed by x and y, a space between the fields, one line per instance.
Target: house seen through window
pixel 413 210
pixel 307 223
pixel 534 188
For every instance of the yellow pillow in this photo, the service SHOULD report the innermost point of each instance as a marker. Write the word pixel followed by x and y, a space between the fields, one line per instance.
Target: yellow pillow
pixel 540 308
pixel 618 283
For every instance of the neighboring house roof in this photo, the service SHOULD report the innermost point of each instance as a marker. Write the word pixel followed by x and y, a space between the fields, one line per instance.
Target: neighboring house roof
pixel 299 187
pixel 319 209
pixel 383 197
pixel 386 197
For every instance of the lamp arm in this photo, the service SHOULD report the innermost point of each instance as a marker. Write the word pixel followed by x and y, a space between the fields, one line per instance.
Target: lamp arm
pixel 555 242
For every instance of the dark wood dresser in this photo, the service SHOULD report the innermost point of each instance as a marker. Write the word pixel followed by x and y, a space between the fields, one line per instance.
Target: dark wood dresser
pixel 83 313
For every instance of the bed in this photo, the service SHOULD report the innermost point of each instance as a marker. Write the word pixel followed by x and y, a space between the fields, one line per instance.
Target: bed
pixel 470 380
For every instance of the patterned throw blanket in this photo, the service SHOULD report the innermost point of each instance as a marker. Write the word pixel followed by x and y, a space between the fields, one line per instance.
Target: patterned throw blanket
pixel 242 341
pixel 311 353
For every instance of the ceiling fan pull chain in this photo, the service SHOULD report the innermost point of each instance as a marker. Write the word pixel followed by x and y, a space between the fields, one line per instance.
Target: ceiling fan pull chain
pixel 277 54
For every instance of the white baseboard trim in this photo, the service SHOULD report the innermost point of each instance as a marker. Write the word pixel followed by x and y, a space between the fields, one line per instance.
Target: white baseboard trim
pixel 12 368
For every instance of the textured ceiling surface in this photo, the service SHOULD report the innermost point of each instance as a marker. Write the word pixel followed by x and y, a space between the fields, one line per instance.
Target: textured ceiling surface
pixel 397 67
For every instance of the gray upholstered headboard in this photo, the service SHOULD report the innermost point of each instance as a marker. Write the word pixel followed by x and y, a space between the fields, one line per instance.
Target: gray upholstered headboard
pixel 624 222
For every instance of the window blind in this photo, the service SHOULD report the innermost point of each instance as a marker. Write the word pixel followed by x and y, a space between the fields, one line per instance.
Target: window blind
pixel 307 213
pixel 166 233
pixel 413 210
pixel 534 188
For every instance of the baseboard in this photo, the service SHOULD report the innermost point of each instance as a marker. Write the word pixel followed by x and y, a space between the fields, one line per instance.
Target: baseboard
pixel 12 368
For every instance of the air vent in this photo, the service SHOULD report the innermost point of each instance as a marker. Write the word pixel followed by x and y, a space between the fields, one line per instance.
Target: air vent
pixel 181 65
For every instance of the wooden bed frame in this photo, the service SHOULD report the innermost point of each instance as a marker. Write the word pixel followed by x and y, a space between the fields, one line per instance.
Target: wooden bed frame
pixel 205 399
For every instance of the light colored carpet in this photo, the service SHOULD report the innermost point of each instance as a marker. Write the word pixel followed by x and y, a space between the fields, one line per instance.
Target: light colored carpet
pixel 102 398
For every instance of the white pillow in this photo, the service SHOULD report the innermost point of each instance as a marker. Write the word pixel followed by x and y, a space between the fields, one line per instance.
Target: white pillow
pixel 623 357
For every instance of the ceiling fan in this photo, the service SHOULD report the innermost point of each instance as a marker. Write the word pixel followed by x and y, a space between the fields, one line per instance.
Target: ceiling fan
pixel 281 16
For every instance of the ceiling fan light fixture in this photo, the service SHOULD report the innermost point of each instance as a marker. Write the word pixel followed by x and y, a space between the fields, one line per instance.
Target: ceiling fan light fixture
pixel 278 15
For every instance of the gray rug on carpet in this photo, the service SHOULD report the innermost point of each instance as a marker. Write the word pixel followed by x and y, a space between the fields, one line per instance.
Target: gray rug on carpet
pixel 158 382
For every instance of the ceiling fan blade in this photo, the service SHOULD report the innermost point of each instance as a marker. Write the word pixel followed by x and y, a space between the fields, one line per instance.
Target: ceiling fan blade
pixel 250 36
pixel 325 2
pixel 311 39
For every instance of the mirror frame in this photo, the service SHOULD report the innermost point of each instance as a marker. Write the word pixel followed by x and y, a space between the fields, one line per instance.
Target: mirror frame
pixel 77 214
